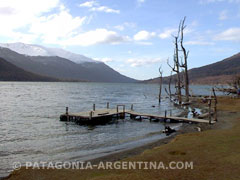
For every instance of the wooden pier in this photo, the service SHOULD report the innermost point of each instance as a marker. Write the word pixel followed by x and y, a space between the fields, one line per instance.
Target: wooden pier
pixel 102 116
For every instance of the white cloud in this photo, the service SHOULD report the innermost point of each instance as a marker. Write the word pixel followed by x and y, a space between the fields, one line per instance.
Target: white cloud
pixel 135 62
pixel 231 34
pixel 7 11
pixel 125 25
pixel 119 27
pixel 105 9
pixel 94 6
pixel 140 2
pixel 98 36
pixel 203 43
pixel 167 33
pixel 17 14
pixel 88 4
pixel 223 15
pixel 51 22
pixel 51 28
pixel 20 15
pixel 105 60
pixel 144 35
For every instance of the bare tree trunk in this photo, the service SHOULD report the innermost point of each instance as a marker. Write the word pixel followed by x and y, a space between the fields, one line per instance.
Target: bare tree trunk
pixel 169 86
pixel 176 68
pixel 185 64
pixel 160 88
pixel 215 104
pixel 179 93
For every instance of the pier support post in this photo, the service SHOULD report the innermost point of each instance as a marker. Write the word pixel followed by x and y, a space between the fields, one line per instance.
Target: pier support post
pixel 94 107
pixel 90 115
pixel 215 105
pixel 67 114
pixel 209 110
pixel 132 107
pixel 66 110
pixel 107 105
pixel 165 116
pixel 123 114
pixel 215 110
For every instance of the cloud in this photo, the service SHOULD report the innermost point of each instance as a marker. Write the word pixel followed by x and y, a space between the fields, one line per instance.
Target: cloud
pixel 140 2
pixel 105 60
pixel 95 6
pixel 98 36
pixel 119 27
pixel 167 33
pixel 51 23
pixel 18 16
pixel 88 4
pixel 51 28
pixel 7 11
pixel 125 25
pixel 223 15
pixel 144 35
pixel 136 62
pixel 202 43
pixel 105 9
pixel 231 34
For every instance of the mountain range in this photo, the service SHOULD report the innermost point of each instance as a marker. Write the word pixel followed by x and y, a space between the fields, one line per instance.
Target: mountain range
pixel 28 62
pixel 59 64
pixel 10 72
pixel 221 72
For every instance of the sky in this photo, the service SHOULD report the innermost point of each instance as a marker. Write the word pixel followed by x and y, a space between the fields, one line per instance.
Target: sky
pixel 134 37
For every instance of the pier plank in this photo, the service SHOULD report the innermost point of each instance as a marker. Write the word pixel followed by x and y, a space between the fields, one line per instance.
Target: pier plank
pixel 169 117
pixel 108 113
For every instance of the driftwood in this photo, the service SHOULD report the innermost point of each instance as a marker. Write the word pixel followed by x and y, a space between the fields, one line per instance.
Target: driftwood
pixel 227 90
pixel 203 116
pixel 233 88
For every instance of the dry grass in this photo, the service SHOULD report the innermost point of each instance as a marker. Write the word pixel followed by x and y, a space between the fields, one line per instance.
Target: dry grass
pixel 229 104
pixel 215 155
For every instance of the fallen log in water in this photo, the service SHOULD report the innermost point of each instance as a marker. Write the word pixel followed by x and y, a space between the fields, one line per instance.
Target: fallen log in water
pixel 205 115
pixel 228 90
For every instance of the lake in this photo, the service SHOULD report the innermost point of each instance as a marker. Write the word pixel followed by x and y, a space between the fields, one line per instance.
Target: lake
pixel 30 129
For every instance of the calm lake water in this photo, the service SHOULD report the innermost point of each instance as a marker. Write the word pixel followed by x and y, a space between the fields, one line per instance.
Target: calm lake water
pixel 30 129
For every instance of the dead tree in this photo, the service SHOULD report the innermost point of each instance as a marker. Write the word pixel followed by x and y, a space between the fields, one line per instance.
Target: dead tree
pixel 169 86
pixel 160 83
pixel 176 67
pixel 184 64
pixel 215 104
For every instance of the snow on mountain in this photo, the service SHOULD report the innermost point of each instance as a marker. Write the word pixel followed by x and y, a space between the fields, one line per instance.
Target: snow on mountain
pixel 37 50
